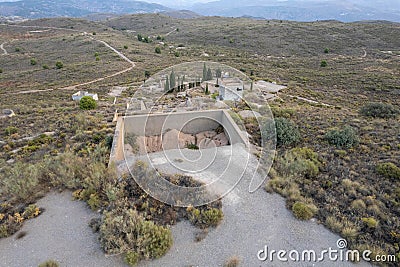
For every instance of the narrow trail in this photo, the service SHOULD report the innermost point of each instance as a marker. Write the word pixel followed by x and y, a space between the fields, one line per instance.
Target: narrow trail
pixel 171 32
pixel 365 53
pixel 309 100
pixel 72 87
pixel 120 54
pixel 3 49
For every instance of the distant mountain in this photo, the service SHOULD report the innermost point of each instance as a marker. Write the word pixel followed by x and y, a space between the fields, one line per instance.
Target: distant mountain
pixel 181 14
pixel 303 10
pixel 76 8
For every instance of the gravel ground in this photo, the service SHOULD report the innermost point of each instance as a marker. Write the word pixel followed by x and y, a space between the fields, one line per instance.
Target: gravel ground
pixel 61 233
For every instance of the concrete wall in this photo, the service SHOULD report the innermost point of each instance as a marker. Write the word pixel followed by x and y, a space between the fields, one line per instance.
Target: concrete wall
pixel 187 122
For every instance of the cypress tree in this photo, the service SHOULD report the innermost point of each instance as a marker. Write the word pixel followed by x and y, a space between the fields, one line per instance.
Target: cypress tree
pixel 166 86
pixel 209 75
pixel 172 80
pixel 204 73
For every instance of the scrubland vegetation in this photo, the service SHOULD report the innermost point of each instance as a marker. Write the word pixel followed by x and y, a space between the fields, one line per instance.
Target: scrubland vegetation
pixel 338 164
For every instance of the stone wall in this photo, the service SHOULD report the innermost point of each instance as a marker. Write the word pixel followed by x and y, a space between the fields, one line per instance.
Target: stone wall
pixel 186 122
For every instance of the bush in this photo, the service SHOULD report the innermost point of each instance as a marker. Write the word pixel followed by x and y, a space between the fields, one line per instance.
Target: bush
pixel 370 222
pixel 324 63
pixel 45 67
pixel 192 146
pixel 87 103
pixel 299 162
pixel 49 263
pixel 33 62
pixel 303 211
pixel 126 231
pixel 326 50
pixel 131 258
pixel 59 65
pixel 359 205
pixel 20 181
pixel 388 170
pixel 345 138
pixel 158 50
pixel 206 218
pixel 10 130
pixel 379 110
pixel 287 132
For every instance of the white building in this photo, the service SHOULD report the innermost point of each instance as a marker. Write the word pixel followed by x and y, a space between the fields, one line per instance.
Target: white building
pixel 78 96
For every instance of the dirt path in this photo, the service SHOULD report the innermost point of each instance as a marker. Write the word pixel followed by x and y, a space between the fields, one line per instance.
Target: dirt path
pixel 171 32
pixel 3 49
pixel 365 53
pixel 61 233
pixel 73 87
pixel 120 54
pixel 309 100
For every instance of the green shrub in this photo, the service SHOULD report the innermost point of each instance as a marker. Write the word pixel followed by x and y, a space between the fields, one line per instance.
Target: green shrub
pixel 20 181
pixel 379 110
pixel 370 222
pixel 158 50
pixel 87 103
pixel 206 218
pixel 59 65
pixel 132 258
pixel 389 170
pixel 45 67
pixel 49 263
pixel 282 112
pixel 94 201
pixel 1 70
pixel 10 130
pixel 326 50
pixel 324 63
pixel 303 211
pixel 4 231
pixel 154 240
pixel 287 132
pixel 31 211
pixel 359 205
pixel 299 162
pixel 123 230
pixel 345 138
pixel 33 61
pixel 192 146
